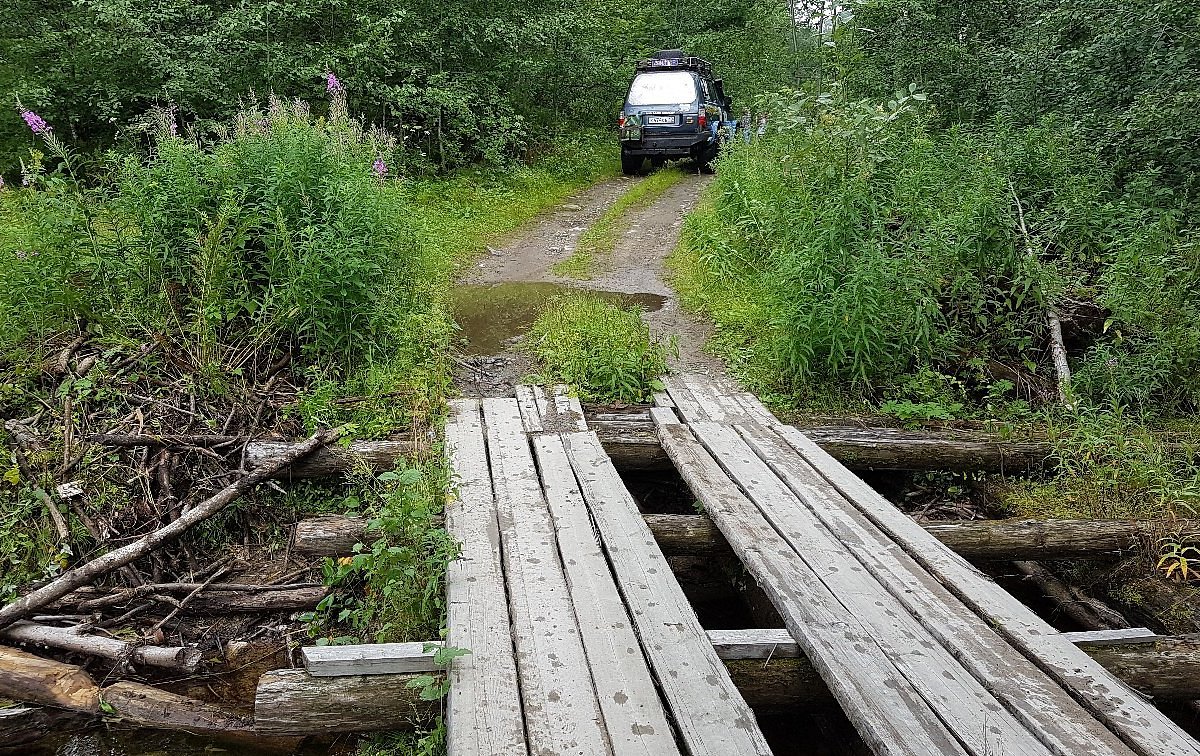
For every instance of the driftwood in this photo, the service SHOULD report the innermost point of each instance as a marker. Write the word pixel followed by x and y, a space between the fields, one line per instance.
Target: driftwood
pixel 292 702
pixel 77 639
pixel 696 535
pixel 86 573
pixel 632 442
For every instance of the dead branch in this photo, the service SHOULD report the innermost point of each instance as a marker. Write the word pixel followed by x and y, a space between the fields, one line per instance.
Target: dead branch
pixel 86 573
pixel 79 640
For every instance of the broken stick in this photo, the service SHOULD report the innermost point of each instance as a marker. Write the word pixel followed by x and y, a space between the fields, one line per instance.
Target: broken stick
pixel 86 573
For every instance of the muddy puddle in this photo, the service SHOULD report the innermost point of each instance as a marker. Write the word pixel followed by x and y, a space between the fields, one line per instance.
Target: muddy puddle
pixel 493 316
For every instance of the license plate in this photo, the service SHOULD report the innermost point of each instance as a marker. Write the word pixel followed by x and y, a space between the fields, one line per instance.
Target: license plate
pixel 661 120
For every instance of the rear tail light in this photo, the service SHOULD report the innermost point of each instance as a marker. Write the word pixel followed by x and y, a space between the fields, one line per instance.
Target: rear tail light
pixel 703 121
pixel 621 121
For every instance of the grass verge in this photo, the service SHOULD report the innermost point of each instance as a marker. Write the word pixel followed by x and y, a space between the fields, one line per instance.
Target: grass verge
pixel 601 238
pixel 606 351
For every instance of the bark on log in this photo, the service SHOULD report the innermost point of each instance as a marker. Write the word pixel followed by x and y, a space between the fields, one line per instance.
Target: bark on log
pixel 223 598
pixel 291 702
pixel 1085 611
pixel 86 573
pixel 267 601
pixel 32 679
pixel 632 442
pixel 150 707
pixel 981 540
pixel 21 726
pixel 1168 669
pixel 78 640
pixel 330 535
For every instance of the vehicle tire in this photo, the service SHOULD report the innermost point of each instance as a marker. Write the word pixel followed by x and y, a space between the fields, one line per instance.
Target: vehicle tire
pixel 631 165
pixel 658 162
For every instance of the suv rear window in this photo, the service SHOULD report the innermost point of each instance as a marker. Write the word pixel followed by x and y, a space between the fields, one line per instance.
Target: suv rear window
pixel 663 88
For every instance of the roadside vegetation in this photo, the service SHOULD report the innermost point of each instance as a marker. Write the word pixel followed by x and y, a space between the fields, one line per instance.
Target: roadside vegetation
pixel 895 244
pixel 601 237
pixel 603 349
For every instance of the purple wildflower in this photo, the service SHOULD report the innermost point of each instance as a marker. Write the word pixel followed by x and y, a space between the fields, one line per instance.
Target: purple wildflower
pixel 332 85
pixel 2 186
pixel 35 122
pixel 380 168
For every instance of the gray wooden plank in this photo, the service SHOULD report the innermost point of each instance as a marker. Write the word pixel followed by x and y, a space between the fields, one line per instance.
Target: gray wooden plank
pixel 370 659
pixel 1137 721
pixel 483 712
pixel 569 410
pixel 531 411
pixel 1113 637
pixel 562 715
pixel 959 700
pixel 1035 700
pixel 683 401
pixel 712 717
pixel 887 711
pixel 633 714
pixel 754 643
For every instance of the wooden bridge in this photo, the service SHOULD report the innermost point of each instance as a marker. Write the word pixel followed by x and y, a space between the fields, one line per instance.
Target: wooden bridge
pixel 582 641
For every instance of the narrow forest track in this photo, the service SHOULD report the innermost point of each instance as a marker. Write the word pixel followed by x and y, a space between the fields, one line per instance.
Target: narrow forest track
pixel 646 236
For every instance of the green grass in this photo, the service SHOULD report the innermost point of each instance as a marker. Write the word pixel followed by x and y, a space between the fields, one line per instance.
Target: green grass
pixel 604 350
pixel 601 238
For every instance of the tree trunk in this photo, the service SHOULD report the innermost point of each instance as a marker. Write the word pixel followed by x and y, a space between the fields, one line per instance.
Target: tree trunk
pixel 291 702
pixel 32 679
pixel 78 640
pixel 90 571
pixel 632 442
pixel 981 540
pixel 330 535
pixel 150 707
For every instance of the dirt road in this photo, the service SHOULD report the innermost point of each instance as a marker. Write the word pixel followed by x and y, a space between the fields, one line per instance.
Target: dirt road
pixel 636 266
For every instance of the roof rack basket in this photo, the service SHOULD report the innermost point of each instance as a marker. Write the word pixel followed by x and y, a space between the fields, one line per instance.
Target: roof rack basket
pixel 686 63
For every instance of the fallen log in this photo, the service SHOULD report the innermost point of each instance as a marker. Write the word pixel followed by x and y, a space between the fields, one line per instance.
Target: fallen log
pixel 329 535
pixel 23 725
pixel 292 702
pixel 148 706
pixel 78 639
pixel 225 597
pixel 88 572
pixel 32 679
pixel 981 540
pixel 1168 668
pixel 1085 611
pixel 632 442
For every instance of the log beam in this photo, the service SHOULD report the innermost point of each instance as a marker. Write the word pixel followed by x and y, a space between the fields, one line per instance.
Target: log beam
pixel 631 440
pixel 981 540
pixel 292 702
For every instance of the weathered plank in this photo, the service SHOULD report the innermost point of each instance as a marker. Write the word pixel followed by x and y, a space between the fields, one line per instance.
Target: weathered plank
pixel 1139 724
pixel 531 411
pixel 483 713
pixel 889 714
pixel 1029 695
pixel 755 643
pixel 1118 637
pixel 370 659
pixel 712 717
pixel 633 714
pixel 960 701
pixel 562 714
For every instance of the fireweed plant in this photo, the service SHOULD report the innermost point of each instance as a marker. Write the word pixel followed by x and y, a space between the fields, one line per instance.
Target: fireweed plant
pixel 291 231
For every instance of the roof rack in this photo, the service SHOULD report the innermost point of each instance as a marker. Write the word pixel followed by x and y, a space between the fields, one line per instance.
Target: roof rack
pixel 682 62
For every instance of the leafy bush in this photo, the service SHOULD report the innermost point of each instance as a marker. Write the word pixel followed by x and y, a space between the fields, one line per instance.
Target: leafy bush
pixel 858 245
pixel 604 350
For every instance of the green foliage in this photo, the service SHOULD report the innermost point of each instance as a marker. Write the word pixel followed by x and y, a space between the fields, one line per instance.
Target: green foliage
pixel 457 83
pixel 604 350
pixel 397 578
pixel 601 237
